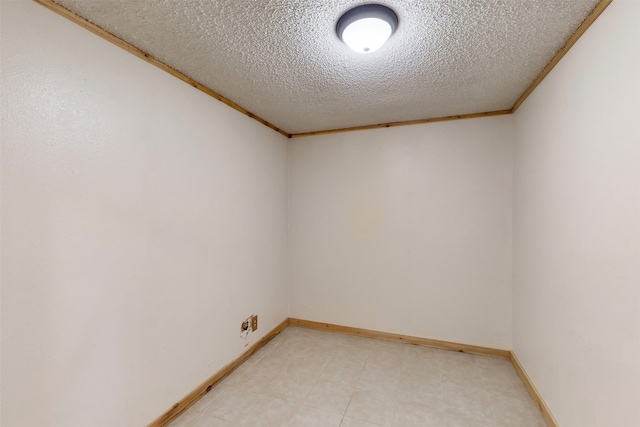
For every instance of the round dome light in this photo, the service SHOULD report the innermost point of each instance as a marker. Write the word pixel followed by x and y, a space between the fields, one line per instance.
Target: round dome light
pixel 366 28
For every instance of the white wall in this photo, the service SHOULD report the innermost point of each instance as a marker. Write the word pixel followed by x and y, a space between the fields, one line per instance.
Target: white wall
pixel 141 222
pixel 576 294
pixel 405 230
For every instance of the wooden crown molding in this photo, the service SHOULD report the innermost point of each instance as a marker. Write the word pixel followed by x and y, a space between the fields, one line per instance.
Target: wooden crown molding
pixel 72 16
pixel 597 11
pixel 99 31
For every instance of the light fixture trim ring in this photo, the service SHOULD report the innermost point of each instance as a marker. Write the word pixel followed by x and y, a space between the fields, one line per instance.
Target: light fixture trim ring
pixel 365 11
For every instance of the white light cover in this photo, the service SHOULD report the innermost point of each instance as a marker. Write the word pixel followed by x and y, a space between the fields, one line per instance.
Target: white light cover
pixel 366 35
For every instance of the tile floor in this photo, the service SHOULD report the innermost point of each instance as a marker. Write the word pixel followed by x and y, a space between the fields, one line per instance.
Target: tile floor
pixel 305 377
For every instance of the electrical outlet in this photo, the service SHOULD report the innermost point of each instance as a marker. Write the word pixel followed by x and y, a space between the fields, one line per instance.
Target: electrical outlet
pixel 245 326
pixel 248 325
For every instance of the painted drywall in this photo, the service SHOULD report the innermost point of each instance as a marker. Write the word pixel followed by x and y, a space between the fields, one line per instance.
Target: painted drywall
pixel 576 311
pixel 141 222
pixel 405 230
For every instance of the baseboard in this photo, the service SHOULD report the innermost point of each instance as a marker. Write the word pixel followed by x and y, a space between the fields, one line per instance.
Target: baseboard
pixel 444 345
pixel 544 409
pixel 190 399
pixel 187 401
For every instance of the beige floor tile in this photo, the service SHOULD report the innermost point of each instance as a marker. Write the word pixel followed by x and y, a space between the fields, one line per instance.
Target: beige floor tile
pixel 199 419
pixel 517 412
pixel 498 371
pixel 455 419
pixel 275 341
pixel 315 378
pixel 501 379
pixel 306 416
pixel 506 389
pixel 372 407
pixel 259 377
pixel 277 358
pixel 270 412
pixel 314 357
pixel 349 354
pixel 386 360
pixel 418 415
pixel 377 345
pixel 206 400
pixel 412 389
pixel 492 362
pixel 329 397
pixel 462 366
pixel 185 418
pixel 354 422
pixel 290 386
pixel 424 369
pixel 467 401
pixel 379 380
pixel 457 358
pixel 305 368
pixel 261 353
pixel 234 405
pixel 343 372
pixel 463 378
pixel 417 352
pixel 234 377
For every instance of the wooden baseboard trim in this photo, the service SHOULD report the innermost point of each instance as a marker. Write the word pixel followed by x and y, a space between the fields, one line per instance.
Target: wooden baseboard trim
pixel 544 409
pixel 426 342
pixel 190 399
pixel 444 345
pixel 187 401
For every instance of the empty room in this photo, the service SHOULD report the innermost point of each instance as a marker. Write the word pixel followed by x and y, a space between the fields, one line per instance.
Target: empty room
pixel 311 213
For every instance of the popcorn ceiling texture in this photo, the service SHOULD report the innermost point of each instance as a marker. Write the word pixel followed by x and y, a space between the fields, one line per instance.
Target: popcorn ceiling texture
pixel 282 60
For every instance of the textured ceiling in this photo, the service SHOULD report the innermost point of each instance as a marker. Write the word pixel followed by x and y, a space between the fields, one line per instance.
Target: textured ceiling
pixel 281 59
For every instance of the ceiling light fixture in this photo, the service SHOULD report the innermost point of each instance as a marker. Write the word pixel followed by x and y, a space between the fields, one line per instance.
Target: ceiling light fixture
pixel 367 27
